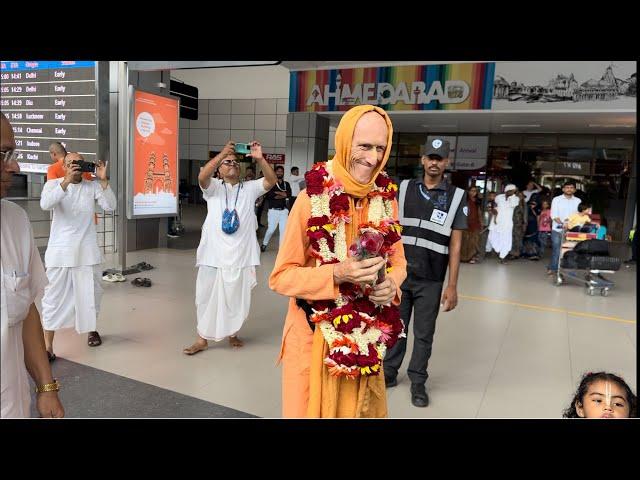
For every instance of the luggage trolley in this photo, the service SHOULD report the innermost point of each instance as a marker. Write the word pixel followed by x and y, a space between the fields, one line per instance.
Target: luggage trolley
pixel 588 268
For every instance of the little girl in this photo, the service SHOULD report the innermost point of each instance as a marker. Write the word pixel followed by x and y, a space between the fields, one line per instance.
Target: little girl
pixel 544 227
pixel 602 395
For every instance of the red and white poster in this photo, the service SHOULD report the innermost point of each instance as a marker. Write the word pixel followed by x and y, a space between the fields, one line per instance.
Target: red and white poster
pixel 155 155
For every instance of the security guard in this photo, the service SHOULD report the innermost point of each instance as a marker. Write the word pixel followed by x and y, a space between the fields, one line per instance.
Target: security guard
pixel 433 214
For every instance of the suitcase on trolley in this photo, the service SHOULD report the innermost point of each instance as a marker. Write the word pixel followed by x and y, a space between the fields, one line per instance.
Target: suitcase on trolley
pixel 597 262
pixel 593 247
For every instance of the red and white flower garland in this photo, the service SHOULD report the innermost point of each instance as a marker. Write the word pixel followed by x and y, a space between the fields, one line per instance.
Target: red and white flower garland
pixel 357 331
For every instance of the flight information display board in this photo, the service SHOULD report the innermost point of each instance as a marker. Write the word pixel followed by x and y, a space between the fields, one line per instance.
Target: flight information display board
pixel 46 102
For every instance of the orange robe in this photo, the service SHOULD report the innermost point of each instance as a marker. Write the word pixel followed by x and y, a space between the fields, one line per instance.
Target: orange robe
pixel 308 390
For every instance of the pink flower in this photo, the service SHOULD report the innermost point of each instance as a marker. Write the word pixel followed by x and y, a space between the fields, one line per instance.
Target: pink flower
pixel 389 322
pixel 355 249
pixel 371 243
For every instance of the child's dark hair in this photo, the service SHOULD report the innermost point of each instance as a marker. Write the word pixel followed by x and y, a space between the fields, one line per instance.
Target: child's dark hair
pixel 587 380
pixel 583 206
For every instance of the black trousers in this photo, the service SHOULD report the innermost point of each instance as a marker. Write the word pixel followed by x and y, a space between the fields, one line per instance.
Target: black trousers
pixel 421 296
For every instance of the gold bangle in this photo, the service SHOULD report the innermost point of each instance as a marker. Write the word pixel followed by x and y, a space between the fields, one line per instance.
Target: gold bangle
pixel 48 387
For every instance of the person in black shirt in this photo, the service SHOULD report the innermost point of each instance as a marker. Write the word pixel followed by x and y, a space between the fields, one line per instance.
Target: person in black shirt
pixel 278 198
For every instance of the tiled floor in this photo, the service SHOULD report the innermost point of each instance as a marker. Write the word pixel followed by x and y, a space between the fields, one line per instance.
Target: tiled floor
pixel 516 359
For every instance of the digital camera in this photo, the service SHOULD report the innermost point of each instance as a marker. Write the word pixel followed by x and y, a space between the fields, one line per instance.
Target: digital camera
pixel 88 167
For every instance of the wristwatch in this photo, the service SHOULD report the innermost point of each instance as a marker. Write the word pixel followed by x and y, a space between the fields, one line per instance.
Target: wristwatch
pixel 48 387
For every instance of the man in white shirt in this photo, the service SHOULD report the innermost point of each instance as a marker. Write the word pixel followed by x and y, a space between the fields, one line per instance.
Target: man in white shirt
pixel 73 258
pixel 532 187
pixel 295 179
pixel 501 231
pixel 228 252
pixel 22 282
pixel 562 207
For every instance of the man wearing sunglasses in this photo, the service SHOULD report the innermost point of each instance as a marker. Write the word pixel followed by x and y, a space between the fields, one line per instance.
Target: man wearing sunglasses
pixel 22 282
pixel 228 252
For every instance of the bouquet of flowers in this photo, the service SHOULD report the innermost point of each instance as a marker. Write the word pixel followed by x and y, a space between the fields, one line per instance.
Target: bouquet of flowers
pixel 369 245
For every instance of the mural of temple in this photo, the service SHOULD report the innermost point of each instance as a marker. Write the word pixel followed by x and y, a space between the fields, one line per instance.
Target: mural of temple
pixel 566 88
pixel 156 185
pixel 607 88
pixel 562 86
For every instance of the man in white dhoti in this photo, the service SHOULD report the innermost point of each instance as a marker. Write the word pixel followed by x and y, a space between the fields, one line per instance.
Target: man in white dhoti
pixel 22 282
pixel 73 258
pixel 501 231
pixel 228 252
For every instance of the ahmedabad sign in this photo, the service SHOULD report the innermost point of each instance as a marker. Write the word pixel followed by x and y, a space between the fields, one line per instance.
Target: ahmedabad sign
pixel 467 86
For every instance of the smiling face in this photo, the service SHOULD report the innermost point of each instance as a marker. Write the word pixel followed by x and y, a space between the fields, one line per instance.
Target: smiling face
pixel 368 146
pixel 229 169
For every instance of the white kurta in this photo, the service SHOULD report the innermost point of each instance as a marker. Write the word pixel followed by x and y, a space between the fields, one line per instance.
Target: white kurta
pixel 226 262
pixel 73 257
pixel 22 283
pixel 294 181
pixel 500 236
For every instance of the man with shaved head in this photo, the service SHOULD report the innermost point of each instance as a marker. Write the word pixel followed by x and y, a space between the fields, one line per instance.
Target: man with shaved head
pixel 73 258
pixel 57 152
pixel 22 283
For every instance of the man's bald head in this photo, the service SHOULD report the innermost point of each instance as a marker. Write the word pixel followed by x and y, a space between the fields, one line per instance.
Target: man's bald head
pixel 57 151
pixel 68 160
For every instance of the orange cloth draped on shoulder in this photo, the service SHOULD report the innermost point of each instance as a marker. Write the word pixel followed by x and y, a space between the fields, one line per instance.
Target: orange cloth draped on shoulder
pixel 308 390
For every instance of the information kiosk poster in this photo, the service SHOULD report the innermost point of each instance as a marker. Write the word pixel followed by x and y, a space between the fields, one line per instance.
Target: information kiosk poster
pixel 154 179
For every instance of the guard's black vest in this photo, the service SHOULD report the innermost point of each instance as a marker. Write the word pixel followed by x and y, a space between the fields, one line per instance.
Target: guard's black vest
pixel 426 243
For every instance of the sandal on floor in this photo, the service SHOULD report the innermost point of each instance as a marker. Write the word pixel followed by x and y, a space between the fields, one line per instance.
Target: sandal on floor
pixel 51 356
pixel 114 277
pixel 141 282
pixel 143 266
pixel 94 339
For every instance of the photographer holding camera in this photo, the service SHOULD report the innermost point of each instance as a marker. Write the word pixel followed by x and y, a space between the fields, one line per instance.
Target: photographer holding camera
pixel 228 252
pixel 73 258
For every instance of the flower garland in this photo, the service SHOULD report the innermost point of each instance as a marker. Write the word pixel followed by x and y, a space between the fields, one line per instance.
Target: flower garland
pixel 357 331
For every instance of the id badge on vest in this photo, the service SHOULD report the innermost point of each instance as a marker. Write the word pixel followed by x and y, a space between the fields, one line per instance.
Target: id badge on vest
pixel 438 216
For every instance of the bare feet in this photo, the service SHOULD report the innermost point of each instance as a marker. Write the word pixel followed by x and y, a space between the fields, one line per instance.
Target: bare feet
pixel 200 345
pixel 235 342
